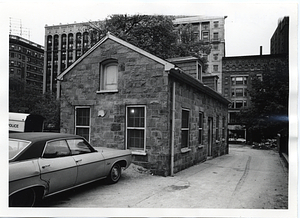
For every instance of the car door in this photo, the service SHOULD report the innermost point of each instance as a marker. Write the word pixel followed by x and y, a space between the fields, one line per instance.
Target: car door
pixel 90 163
pixel 57 166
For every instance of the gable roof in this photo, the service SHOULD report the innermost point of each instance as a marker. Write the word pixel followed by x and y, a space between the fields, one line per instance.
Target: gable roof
pixel 167 64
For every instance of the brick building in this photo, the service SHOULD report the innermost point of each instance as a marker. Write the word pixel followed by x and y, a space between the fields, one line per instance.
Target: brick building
pixel 237 74
pixel 26 60
pixel 279 43
pixel 119 96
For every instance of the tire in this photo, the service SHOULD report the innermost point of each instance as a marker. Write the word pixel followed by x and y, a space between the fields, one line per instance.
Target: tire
pixel 25 198
pixel 114 174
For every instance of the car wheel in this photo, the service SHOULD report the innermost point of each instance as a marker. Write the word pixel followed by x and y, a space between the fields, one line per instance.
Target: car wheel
pixel 114 174
pixel 25 198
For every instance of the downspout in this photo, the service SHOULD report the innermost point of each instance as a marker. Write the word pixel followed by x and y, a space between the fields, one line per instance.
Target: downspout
pixel 173 130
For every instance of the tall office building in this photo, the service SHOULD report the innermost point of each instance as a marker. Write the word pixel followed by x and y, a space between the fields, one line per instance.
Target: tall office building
pixel 26 60
pixel 210 30
pixel 63 45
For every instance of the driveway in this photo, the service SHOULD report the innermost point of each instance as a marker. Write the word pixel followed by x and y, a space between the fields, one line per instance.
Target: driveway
pixel 245 178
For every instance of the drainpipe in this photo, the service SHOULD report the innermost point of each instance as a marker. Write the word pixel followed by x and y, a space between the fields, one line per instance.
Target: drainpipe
pixel 173 130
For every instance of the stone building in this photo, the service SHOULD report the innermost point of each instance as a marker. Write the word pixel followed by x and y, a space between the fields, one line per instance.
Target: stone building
pixel 65 43
pixel 117 95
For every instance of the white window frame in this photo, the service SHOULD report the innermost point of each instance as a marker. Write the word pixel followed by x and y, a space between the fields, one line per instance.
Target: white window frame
pixel 141 151
pixel 200 127
pixel 185 129
pixel 103 78
pixel 79 126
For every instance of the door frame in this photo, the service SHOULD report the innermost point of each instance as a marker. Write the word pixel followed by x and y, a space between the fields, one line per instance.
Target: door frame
pixel 210 136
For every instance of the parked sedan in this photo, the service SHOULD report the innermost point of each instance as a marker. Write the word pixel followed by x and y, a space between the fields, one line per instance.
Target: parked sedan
pixel 43 164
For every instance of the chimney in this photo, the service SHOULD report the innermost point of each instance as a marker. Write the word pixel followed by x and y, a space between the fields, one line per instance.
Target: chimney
pixel 260 50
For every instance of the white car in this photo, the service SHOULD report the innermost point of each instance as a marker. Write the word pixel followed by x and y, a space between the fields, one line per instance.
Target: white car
pixel 43 164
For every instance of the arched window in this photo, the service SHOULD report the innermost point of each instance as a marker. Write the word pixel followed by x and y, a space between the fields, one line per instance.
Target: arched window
pixel 109 76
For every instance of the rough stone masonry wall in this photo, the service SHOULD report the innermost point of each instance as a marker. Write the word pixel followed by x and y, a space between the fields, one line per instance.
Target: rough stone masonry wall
pixel 141 81
pixel 195 101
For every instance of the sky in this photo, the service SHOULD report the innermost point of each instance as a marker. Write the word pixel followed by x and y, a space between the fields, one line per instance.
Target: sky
pixel 247 26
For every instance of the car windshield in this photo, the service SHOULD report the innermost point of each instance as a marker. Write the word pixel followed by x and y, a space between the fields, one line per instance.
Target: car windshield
pixel 16 146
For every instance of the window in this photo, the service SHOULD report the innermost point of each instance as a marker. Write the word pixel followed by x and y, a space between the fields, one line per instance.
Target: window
pixel 216 36
pixel 215 46
pixel 239 92
pixel 136 127
pixel 200 139
pixel 226 80
pixel 215 57
pixel 205 36
pixel 238 104
pixel 239 80
pixel 205 26
pixel 109 76
pixel 79 146
pixel 15 146
pixel 216 24
pixel 185 128
pixel 56 149
pixel 199 72
pixel 82 122
pixel 226 92
pixel 215 68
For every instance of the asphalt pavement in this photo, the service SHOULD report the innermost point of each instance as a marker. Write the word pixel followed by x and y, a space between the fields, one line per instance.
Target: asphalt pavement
pixel 246 178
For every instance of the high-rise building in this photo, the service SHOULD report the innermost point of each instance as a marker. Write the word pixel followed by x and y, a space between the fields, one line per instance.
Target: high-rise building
pixel 26 60
pixel 210 30
pixel 280 38
pixel 65 43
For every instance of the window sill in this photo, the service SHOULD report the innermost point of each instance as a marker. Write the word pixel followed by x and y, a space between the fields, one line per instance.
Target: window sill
pixel 200 146
pixel 106 91
pixel 185 150
pixel 141 153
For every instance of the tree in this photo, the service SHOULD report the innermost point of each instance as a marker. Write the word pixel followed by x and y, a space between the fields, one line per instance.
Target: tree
pixel 155 34
pixel 29 99
pixel 268 113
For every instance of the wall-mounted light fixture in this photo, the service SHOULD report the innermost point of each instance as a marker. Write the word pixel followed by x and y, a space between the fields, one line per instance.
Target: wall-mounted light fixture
pixel 101 113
